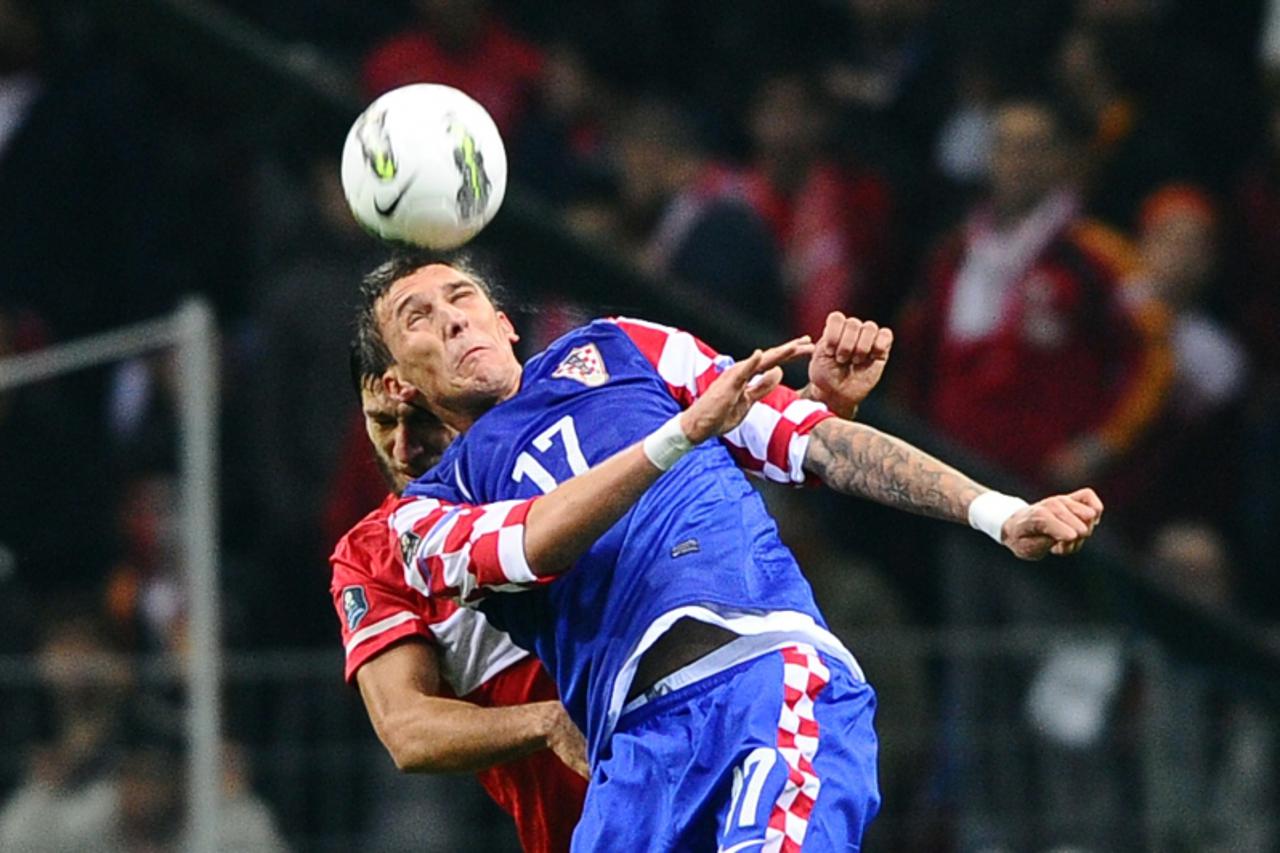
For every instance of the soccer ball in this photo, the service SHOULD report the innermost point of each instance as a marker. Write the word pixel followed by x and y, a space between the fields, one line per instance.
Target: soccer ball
pixel 424 165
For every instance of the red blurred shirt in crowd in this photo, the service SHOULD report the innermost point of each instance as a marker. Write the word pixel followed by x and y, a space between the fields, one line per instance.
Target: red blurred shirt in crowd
pixel 1021 343
pixel 497 67
pixel 835 235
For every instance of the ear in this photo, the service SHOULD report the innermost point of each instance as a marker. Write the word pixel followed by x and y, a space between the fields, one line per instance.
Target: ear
pixel 397 388
pixel 508 328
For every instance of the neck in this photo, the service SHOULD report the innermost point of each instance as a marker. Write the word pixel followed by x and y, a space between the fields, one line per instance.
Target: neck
pixel 463 413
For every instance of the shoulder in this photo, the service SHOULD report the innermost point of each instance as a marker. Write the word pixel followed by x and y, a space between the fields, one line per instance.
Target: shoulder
pixel 606 334
pixel 367 532
pixel 366 550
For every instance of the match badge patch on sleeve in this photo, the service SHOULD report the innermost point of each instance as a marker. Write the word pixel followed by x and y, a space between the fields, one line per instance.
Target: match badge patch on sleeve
pixel 583 364
pixel 409 546
pixel 355 605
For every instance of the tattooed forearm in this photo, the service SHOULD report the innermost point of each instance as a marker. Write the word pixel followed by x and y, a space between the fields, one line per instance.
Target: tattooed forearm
pixel 858 460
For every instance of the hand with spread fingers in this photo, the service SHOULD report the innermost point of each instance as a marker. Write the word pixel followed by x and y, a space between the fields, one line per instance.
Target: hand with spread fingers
pixel 728 399
pixel 847 363
pixel 1057 525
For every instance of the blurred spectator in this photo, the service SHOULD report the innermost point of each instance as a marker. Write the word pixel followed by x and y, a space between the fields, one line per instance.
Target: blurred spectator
pixel 1210 759
pixel 1191 558
pixel 246 824
pixel 559 150
pixel 150 802
pixel 145 598
pixel 832 221
pixel 891 67
pixel 1186 80
pixel 1020 346
pixel 685 216
pixel 152 806
pixel 1126 730
pixel 963 147
pixel 1178 245
pixel 1133 149
pixel 70 800
pixel 464 44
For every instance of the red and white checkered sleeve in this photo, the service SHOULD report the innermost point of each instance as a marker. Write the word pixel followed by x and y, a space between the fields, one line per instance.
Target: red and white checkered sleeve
pixel 771 441
pixel 463 552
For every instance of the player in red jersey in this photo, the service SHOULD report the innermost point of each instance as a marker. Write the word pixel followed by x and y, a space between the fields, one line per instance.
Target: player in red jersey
pixel 527 753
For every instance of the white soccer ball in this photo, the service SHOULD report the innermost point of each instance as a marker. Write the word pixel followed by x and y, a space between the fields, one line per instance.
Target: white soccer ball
pixel 424 165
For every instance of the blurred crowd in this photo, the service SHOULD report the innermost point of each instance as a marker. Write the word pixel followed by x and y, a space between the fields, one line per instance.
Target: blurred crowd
pixel 1068 210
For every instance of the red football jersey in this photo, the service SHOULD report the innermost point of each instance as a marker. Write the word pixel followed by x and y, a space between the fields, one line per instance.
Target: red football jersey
pixel 377 607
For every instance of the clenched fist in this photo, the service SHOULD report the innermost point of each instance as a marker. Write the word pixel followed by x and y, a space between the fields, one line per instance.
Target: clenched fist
pixel 847 363
pixel 1057 525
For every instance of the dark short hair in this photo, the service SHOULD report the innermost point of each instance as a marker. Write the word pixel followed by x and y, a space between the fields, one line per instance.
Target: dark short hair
pixel 365 362
pixel 370 356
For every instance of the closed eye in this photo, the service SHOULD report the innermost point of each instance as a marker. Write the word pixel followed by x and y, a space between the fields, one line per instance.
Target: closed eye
pixel 462 291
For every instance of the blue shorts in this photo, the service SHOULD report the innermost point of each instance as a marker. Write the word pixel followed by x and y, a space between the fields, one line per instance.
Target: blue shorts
pixel 774 754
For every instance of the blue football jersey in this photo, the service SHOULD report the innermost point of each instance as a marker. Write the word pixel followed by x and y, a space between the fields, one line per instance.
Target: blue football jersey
pixel 699 537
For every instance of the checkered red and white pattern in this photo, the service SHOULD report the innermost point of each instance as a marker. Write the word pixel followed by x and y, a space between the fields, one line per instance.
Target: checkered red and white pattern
pixel 771 441
pixel 804 676
pixel 463 551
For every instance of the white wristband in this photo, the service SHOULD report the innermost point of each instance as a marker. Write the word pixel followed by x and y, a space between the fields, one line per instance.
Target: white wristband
pixel 667 444
pixel 990 510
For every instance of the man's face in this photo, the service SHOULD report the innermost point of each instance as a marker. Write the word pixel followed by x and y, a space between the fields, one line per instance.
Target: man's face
pixel 448 341
pixel 406 440
pixel 785 121
pixel 1178 248
pixel 1026 157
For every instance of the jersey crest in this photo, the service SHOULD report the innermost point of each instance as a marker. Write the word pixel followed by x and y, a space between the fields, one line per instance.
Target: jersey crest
pixel 583 364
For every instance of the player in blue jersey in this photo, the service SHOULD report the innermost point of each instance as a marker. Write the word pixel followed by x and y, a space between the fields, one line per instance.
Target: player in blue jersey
pixel 719 710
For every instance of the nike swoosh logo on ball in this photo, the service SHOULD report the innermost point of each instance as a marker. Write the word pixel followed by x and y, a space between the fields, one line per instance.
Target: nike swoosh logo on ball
pixel 395 202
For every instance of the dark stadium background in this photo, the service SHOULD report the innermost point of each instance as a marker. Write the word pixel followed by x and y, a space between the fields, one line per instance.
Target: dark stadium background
pixel 155 149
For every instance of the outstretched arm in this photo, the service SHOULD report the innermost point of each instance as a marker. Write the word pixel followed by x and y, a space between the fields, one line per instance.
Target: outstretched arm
pixel 564 523
pixel 464 552
pixel 859 460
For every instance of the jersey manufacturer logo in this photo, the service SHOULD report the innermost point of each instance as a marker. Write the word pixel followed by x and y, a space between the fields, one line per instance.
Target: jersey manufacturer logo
pixel 355 605
pixel 390 207
pixel 583 364
pixel 688 546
